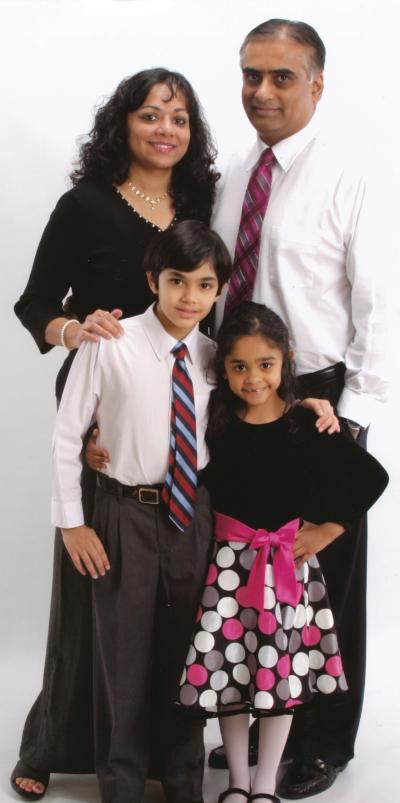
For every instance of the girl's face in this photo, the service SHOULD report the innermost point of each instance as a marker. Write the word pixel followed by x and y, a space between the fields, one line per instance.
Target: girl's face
pixel 254 373
pixel 159 130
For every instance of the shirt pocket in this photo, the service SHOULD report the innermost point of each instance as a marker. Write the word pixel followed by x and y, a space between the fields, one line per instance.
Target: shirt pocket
pixel 292 257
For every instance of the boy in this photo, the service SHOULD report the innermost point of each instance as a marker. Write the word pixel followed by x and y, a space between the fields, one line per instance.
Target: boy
pixel 152 529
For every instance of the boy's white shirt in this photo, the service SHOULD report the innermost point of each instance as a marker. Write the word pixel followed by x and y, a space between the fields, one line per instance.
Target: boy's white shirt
pixel 125 385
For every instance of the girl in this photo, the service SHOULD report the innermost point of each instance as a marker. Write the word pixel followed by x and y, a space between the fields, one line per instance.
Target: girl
pixel 265 639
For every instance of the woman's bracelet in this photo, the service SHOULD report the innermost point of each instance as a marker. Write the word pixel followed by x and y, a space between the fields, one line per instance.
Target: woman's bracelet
pixel 62 331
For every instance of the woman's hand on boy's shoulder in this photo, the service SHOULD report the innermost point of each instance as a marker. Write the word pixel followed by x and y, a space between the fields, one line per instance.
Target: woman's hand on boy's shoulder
pixel 326 418
pixel 86 551
pixel 98 324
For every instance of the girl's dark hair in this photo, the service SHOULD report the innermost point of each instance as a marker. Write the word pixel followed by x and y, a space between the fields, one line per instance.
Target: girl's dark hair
pixel 106 157
pixel 248 318
pixel 185 247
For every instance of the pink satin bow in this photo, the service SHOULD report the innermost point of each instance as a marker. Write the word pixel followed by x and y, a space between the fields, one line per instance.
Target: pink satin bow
pixel 286 586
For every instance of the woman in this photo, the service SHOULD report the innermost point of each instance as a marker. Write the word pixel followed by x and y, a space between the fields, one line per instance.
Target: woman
pixel 148 161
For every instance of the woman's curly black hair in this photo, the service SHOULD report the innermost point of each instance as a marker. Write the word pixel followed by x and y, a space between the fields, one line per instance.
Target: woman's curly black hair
pixel 247 319
pixel 106 157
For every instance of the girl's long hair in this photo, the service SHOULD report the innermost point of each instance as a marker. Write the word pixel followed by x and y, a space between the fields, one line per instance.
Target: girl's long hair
pixel 105 156
pixel 247 319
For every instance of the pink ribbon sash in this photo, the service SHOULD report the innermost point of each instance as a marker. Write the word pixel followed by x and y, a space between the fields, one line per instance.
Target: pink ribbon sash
pixel 286 586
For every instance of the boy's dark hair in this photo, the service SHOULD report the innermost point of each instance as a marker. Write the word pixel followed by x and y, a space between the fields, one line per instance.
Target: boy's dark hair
pixel 247 319
pixel 293 29
pixel 105 156
pixel 185 247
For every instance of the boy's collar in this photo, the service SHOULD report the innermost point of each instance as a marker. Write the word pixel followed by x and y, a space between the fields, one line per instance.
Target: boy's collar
pixel 162 342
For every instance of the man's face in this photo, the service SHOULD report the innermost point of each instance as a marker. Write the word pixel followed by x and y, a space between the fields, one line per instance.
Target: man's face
pixel 280 87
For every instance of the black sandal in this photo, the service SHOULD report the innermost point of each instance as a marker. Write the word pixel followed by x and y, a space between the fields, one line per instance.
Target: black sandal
pixel 22 770
pixel 261 796
pixel 234 790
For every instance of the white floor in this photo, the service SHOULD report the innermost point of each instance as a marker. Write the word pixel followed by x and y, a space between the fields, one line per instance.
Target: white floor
pixel 373 776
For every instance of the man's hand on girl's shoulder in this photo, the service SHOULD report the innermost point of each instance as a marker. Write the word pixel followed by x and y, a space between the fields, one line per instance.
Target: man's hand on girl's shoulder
pixel 326 418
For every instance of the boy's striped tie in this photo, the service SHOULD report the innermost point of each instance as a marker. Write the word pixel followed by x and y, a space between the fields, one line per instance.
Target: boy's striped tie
pixel 179 491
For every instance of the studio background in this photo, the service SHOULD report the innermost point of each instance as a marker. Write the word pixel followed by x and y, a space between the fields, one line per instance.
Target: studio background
pixel 59 58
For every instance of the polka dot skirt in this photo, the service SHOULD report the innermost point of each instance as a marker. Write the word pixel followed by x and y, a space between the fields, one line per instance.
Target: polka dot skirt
pixel 273 660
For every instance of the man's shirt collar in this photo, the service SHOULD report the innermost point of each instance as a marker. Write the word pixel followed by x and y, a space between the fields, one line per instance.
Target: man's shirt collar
pixel 287 150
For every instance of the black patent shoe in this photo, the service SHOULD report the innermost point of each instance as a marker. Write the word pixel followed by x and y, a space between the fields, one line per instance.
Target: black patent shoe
pixel 308 779
pixel 217 758
pixel 233 790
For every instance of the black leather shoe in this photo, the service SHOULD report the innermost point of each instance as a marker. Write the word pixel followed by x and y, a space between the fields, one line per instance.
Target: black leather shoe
pixel 217 757
pixel 306 780
pixel 233 790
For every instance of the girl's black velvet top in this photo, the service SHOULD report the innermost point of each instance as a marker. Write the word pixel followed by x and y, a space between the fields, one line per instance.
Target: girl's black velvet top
pixel 268 474
pixel 93 247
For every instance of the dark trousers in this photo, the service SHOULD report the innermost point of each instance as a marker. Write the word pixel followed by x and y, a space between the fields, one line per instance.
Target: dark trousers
pixel 58 732
pixel 327 728
pixel 144 611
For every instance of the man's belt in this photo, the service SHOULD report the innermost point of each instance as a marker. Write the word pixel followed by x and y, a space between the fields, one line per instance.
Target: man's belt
pixel 327 383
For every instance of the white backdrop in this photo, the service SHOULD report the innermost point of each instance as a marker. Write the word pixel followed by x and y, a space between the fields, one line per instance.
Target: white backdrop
pixel 58 59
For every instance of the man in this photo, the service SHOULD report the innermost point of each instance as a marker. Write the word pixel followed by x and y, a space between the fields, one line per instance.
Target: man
pixel 294 213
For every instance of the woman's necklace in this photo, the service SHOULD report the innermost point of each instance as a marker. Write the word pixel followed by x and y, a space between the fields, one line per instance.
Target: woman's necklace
pixel 153 202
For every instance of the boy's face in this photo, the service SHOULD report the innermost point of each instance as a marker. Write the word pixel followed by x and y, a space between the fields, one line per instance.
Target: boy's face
pixel 184 299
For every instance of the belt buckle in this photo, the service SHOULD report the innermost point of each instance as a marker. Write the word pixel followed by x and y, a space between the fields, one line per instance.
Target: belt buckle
pixel 149 496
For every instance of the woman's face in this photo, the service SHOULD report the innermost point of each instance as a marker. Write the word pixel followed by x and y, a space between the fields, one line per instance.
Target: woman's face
pixel 159 130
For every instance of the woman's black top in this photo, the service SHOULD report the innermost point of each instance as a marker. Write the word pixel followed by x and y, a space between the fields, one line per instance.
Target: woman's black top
pixel 91 250
pixel 268 474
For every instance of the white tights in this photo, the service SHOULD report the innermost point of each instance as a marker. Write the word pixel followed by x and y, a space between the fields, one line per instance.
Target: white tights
pixel 274 732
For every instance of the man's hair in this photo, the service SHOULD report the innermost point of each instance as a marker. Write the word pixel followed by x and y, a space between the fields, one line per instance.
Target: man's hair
pixel 291 29
pixel 184 247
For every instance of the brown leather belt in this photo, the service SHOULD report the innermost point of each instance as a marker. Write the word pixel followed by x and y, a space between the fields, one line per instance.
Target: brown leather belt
pixel 145 494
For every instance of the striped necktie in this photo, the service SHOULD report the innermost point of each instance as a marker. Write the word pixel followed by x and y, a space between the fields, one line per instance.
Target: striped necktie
pixel 247 248
pixel 179 491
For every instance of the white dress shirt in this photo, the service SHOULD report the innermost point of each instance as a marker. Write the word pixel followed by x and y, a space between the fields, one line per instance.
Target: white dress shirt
pixel 319 261
pixel 125 385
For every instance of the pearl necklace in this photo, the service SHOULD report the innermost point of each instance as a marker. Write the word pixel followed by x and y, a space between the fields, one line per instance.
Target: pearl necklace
pixel 153 202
